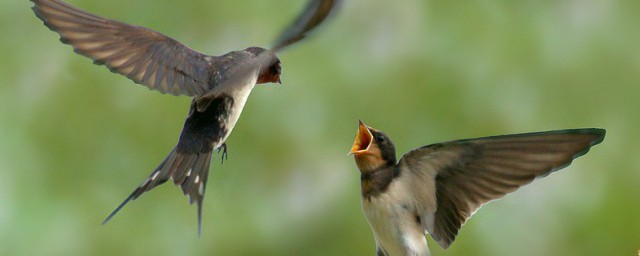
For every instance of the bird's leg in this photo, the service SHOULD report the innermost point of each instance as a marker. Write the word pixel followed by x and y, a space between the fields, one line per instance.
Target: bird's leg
pixel 223 147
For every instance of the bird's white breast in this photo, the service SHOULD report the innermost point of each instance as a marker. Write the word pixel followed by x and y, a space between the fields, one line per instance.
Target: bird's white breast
pixel 240 96
pixel 394 224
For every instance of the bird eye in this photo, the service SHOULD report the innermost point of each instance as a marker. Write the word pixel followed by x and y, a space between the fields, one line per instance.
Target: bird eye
pixel 381 138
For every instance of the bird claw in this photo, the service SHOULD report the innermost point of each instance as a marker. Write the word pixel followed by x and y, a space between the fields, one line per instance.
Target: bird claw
pixel 223 147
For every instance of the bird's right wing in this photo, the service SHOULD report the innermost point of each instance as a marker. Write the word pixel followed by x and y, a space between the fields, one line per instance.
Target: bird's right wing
pixel 143 55
pixel 450 181
pixel 313 15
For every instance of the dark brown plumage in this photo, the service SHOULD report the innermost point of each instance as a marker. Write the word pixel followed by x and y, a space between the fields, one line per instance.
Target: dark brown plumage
pixel 437 188
pixel 219 85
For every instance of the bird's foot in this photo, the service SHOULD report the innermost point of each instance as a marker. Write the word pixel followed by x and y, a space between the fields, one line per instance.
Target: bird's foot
pixel 223 147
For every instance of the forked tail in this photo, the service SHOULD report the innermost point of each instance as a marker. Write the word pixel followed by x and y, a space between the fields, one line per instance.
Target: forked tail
pixel 188 170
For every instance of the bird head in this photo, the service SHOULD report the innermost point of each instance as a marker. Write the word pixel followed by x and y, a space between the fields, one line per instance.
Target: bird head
pixel 270 68
pixel 372 149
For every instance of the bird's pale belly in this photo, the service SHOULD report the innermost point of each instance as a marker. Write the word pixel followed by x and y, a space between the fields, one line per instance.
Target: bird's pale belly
pixel 394 227
pixel 240 98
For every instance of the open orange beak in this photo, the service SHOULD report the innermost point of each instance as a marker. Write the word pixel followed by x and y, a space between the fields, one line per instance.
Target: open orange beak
pixel 363 140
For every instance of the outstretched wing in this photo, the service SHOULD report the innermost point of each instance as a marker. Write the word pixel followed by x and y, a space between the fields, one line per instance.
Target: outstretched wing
pixel 143 55
pixel 470 173
pixel 313 15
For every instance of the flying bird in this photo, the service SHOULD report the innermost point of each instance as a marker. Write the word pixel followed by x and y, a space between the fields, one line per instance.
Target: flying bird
pixel 435 189
pixel 219 85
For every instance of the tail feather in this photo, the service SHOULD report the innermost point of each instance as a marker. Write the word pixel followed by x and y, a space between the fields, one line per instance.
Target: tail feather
pixel 193 181
pixel 188 170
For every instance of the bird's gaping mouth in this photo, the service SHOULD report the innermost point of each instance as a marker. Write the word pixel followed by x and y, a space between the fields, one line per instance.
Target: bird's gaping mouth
pixel 362 141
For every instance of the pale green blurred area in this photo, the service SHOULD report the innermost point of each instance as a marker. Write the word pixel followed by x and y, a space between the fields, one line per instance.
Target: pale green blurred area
pixel 75 139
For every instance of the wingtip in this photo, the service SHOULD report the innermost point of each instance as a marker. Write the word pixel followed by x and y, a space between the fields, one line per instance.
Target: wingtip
pixel 600 138
pixel 597 133
pixel 314 14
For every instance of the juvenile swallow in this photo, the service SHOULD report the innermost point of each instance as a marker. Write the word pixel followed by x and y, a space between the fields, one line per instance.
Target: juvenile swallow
pixel 435 189
pixel 219 85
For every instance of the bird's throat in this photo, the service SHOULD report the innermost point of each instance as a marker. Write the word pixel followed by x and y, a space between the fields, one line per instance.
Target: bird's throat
pixel 375 182
pixel 368 162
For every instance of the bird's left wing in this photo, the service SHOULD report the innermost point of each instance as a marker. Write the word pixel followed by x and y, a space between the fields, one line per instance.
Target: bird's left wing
pixel 143 55
pixel 458 177
pixel 313 15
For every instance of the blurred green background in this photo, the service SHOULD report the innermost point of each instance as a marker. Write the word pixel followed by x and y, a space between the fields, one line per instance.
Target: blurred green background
pixel 75 139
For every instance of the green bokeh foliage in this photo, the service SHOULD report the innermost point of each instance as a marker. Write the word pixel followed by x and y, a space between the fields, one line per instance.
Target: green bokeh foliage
pixel 75 139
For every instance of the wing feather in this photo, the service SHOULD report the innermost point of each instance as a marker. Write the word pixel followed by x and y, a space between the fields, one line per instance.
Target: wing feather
pixel 470 173
pixel 142 55
pixel 313 15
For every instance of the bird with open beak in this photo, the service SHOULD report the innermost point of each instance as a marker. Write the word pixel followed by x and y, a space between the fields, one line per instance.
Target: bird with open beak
pixel 219 85
pixel 435 189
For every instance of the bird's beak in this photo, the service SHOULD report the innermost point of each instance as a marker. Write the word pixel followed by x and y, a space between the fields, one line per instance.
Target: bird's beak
pixel 363 140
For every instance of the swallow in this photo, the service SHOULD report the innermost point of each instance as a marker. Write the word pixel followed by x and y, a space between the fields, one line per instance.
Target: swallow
pixel 435 189
pixel 219 85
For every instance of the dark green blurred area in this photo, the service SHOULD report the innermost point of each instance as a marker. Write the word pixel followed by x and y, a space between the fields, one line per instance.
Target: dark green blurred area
pixel 75 139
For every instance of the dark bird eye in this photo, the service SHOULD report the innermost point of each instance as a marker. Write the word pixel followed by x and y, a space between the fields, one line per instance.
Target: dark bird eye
pixel 381 138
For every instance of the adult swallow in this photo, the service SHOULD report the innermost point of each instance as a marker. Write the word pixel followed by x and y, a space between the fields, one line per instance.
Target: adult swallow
pixel 219 85
pixel 435 189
